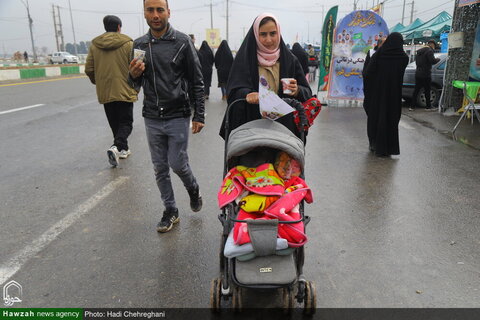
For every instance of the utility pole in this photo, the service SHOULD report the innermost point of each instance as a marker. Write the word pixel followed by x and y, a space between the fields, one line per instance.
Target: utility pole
pixel 227 20
pixel 411 14
pixel 403 12
pixel 211 15
pixel 73 29
pixel 355 4
pixel 30 23
pixel 55 27
pixel 62 42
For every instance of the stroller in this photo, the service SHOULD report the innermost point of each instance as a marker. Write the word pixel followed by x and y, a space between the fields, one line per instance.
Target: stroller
pixel 249 145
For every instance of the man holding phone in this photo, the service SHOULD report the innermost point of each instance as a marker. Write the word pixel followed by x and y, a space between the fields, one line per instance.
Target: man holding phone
pixel 171 77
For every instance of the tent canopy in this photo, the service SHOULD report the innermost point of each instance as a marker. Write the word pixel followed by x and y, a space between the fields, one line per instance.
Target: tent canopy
pixel 397 28
pixel 432 28
pixel 415 24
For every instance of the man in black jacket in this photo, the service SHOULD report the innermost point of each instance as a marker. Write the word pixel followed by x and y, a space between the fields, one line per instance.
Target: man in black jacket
pixel 423 75
pixel 172 82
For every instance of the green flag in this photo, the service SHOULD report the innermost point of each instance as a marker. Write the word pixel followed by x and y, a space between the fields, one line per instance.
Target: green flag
pixel 327 45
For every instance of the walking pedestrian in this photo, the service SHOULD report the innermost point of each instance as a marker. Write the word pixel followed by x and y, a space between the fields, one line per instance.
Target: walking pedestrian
pixel 301 55
pixel 107 67
pixel 205 54
pixel 172 83
pixel 25 56
pixel 385 74
pixel 263 53
pixel 423 74
pixel 223 63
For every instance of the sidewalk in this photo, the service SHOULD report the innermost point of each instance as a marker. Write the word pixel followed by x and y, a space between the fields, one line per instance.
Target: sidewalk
pixel 443 123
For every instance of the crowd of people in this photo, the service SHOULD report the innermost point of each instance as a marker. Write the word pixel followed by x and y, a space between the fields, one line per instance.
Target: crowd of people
pixel 176 78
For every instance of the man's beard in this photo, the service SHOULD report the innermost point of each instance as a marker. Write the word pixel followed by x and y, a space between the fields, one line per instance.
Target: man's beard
pixel 159 28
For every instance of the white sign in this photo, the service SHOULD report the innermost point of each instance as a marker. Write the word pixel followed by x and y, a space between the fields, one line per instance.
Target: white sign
pixel 12 293
pixel 455 40
pixel 427 33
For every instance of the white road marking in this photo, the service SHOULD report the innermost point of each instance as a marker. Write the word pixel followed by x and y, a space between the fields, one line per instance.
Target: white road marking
pixel 405 125
pixel 22 108
pixel 12 266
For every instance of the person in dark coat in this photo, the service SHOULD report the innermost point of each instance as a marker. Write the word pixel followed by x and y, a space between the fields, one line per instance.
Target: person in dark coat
pixel 205 54
pixel 423 74
pixel 385 74
pixel 223 63
pixel 263 52
pixel 301 55
pixel 367 92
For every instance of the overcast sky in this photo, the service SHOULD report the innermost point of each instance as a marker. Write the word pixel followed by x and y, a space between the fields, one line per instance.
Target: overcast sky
pixel 297 17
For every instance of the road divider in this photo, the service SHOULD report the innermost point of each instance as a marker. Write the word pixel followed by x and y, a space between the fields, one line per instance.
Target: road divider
pixel 32 73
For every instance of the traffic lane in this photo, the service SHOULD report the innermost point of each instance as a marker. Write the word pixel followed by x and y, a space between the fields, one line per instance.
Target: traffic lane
pixel 387 228
pixel 50 91
pixel 52 158
pixel 114 257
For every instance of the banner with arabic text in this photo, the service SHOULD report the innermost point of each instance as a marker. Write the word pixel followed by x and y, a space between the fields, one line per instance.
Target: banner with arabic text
pixel 327 44
pixel 355 35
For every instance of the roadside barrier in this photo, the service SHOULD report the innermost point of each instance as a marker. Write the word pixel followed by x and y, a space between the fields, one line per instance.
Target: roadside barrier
pixel 41 72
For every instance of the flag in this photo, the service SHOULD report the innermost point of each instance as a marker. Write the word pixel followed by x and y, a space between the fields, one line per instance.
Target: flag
pixel 327 45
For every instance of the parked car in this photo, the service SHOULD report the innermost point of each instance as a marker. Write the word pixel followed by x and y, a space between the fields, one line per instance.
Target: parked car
pixel 436 87
pixel 63 57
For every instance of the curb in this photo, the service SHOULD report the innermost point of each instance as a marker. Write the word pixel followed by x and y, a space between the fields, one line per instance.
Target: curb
pixel 22 74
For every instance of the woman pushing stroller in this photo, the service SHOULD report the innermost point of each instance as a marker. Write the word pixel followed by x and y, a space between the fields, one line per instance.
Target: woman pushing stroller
pixel 263 53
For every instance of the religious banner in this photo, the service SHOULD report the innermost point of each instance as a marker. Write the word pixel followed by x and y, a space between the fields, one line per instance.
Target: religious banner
pixel 213 37
pixel 327 44
pixel 475 62
pixel 355 35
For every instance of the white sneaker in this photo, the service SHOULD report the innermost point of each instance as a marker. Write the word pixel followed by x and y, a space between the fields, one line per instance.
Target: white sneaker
pixel 124 154
pixel 113 156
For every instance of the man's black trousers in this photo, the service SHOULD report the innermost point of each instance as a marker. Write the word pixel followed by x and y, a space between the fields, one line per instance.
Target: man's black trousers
pixel 419 84
pixel 120 118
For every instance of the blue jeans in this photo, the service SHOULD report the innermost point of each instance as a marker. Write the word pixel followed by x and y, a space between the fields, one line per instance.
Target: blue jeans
pixel 168 141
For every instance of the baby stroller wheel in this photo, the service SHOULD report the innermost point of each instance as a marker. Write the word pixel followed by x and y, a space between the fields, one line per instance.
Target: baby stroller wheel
pixel 288 300
pixel 215 294
pixel 237 299
pixel 310 301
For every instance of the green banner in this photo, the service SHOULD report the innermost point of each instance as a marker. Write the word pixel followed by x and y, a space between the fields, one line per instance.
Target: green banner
pixel 41 313
pixel 327 45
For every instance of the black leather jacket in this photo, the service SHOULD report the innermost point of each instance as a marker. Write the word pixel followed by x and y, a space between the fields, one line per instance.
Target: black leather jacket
pixel 172 81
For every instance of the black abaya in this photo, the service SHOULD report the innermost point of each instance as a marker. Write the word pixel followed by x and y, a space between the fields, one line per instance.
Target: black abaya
pixel 385 77
pixel 206 58
pixel 223 62
pixel 301 55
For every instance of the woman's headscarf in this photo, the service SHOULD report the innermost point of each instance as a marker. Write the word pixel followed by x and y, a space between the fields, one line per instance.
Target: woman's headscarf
pixel 392 47
pixel 266 57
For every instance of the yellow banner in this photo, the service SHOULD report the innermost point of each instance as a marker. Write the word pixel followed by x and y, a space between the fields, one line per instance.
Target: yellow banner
pixel 213 37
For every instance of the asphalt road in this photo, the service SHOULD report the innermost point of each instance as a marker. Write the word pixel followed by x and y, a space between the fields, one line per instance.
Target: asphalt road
pixel 399 232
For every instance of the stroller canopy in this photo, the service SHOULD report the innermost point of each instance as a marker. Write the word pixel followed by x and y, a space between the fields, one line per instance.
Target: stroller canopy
pixel 264 133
